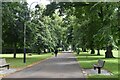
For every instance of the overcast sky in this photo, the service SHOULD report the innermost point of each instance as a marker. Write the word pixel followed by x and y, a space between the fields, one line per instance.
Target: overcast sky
pixel 34 2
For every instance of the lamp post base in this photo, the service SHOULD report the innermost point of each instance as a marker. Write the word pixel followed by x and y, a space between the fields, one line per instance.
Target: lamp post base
pixel 24 60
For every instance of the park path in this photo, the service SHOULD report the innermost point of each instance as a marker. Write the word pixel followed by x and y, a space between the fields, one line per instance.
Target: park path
pixel 62 66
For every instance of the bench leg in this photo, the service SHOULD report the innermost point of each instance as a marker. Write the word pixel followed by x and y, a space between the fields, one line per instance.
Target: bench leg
pixel 94 68
pixel 7 66
pixel 99 70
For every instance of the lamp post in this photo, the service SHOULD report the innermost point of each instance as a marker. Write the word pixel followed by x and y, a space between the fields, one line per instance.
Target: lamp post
pixel 25 14
pixel 26 18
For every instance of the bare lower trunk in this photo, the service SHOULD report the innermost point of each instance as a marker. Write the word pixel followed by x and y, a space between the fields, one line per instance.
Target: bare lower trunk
pixel 38 51
pixel 98 51
pixel 108 53
pixel 84 49
pixel 73 47
pixel 92 51
pixel 78 51
pixel 48 50
pixel 14 51
pixel 45 51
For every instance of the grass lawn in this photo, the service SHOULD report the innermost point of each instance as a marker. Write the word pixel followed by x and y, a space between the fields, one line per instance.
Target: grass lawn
pixel 87 60
pixel 18 61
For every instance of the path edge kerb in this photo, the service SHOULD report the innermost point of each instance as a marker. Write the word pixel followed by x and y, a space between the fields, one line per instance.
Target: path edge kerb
pixel 28 66
pixel 82 69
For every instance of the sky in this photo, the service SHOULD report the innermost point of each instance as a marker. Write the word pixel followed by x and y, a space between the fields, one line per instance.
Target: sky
pixel 32 3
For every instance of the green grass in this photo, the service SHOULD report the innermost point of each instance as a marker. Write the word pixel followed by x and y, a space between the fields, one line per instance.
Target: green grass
pixel 87 60
pixel 18 61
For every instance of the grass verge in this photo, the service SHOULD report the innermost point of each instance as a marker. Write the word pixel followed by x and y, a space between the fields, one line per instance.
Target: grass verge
pixel 18 61
pixel 87 60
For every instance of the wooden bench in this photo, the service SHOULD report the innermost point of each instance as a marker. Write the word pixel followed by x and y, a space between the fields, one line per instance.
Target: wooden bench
pixel 3 63
pixel 99 65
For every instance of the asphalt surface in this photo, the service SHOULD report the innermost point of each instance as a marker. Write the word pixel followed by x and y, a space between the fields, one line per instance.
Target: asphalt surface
pixel 64 66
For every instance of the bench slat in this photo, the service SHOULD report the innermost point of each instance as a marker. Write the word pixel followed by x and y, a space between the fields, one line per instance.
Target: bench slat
pixel 3 63
pixel 100 63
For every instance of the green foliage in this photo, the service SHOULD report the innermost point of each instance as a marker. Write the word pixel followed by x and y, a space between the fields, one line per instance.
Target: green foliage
pixel 42 32
pixel 84 25
pixel 12 23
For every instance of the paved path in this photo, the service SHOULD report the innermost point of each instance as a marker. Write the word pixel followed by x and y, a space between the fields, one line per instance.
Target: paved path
pixel 63 66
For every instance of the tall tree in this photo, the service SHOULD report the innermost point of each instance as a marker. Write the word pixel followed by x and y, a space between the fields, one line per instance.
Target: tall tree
pixel 12 23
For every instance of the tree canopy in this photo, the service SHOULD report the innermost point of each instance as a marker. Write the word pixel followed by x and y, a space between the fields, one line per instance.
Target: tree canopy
pixel 82 25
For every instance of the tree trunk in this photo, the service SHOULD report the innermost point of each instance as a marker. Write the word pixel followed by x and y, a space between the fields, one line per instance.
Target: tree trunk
pixel 73 47
pixel 38 51
pixel 63 49
pixel 14 56
pixel 78 51
pixel 98 51
pixel 108 53
pixel 92 51
pixel 45 51
pixel 84 49
pixel 48 50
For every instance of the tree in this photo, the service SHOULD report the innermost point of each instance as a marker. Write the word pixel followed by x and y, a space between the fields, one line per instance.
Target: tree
pixel 61 25
pixel 12 32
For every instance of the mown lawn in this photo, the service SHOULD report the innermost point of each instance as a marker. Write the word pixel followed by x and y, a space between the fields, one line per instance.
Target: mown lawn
pixel 18 61
pixel 87 60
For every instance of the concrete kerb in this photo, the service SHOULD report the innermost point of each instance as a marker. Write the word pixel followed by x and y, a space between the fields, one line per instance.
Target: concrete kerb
pixel 89 72
pixel 83 71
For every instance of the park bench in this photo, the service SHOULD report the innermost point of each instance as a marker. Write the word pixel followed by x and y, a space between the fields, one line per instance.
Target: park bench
pixel 99 65
pixel 3 63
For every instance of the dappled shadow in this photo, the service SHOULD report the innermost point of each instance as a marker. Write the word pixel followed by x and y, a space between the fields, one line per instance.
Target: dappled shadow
pixel 18 58
pixel 27 56
pixel 12 58
pixel 88 58
pixel 88 55
pixel 117 57
pixel 95 58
